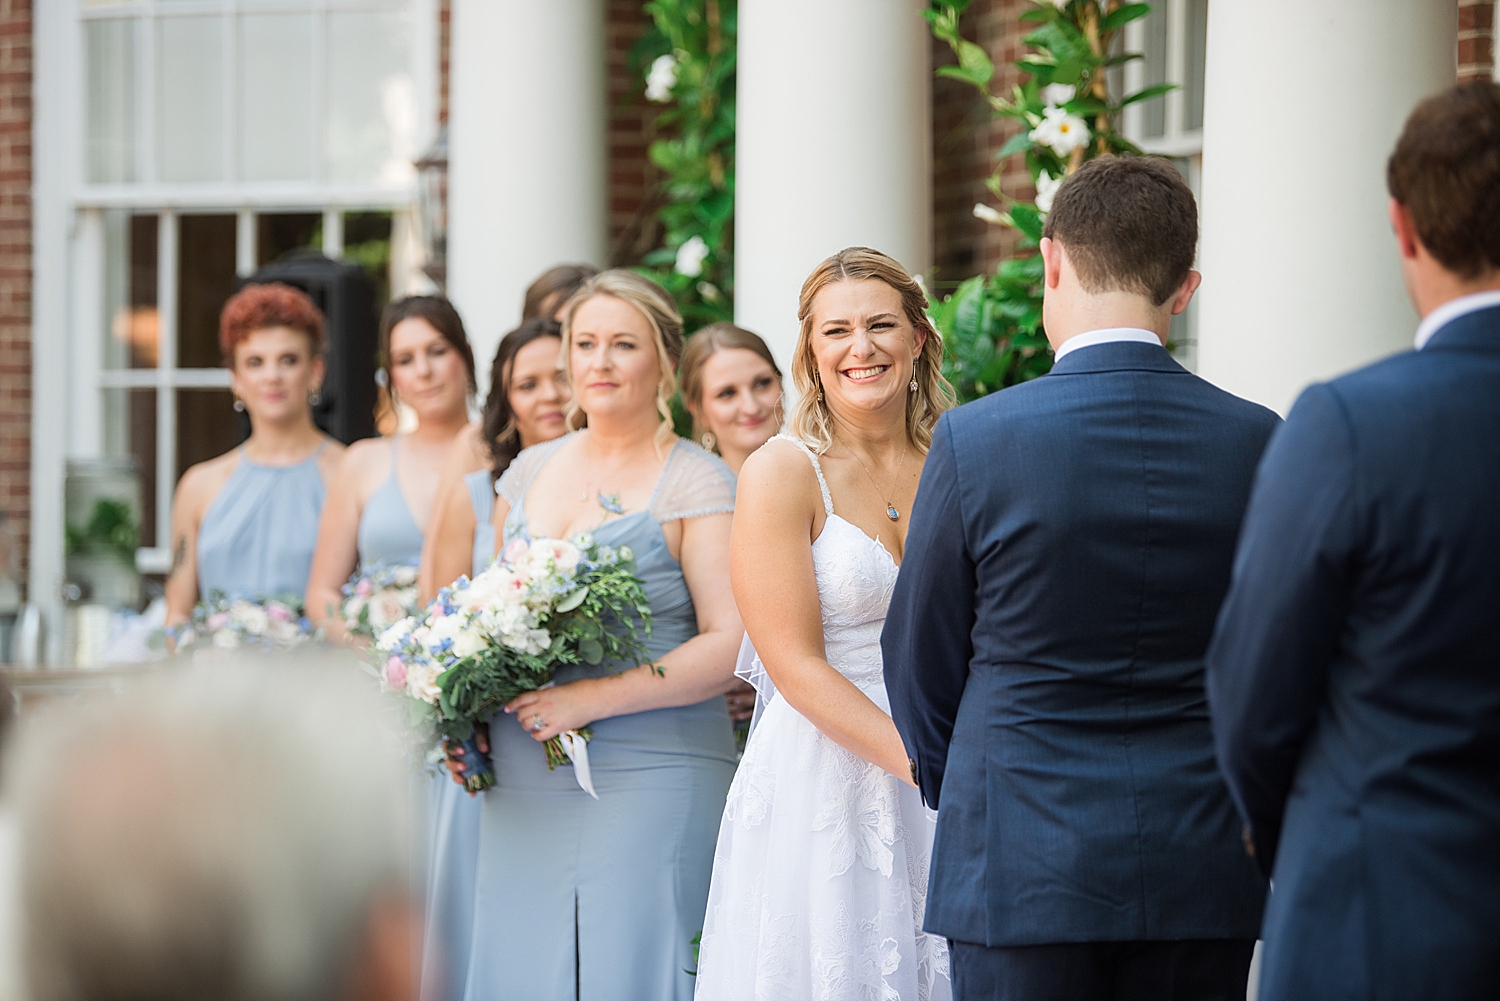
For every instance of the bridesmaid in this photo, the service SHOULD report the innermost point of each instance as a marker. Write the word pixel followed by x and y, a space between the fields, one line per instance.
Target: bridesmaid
pixel 245 523
pixel 544 297
pixel 383 495
pixel 525 406
pixel 601 899
pixel 732 388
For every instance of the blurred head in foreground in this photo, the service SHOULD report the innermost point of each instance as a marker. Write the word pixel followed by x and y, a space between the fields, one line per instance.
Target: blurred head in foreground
pixel 235 833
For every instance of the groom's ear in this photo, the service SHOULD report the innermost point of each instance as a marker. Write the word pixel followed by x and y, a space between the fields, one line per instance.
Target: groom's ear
pixel 1052 258
pixel 1184 294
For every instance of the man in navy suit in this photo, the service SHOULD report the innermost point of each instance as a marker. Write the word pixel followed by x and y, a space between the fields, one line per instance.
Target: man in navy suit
pixel 1070 544
pixel 1354 676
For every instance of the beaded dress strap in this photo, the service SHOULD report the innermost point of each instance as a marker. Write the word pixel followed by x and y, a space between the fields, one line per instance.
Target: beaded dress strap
pixel 817 468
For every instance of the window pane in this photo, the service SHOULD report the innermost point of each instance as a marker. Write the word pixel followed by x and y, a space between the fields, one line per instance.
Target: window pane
pixel 130 289
pixel 1197 46
pixel 276 120
pixel 110 48
pixel 372 108
pixel 367 241
pixel 205 279
pixel 1154 70
pixel 206 425
pixel 189 98
pixel 130 429
pixel 276 234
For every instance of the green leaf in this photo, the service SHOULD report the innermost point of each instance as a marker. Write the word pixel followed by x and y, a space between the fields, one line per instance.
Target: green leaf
pixel 958 73
pixel 976 61
pixel 1046 12
pixel 1018 143
pixel 1147 94
pixel 591 651
pixel 572 601
pixel 1027 219
pixel 1124 15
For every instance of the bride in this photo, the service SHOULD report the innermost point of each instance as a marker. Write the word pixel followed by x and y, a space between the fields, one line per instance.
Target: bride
pixel 820 875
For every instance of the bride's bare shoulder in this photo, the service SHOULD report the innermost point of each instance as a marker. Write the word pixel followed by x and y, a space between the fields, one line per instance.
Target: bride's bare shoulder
pixel 779 474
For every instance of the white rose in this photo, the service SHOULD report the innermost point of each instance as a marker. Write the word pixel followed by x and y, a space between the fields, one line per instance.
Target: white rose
pixel 1061 131
pixel 469 642
pixel 1055 95
pixel 989 215
pixel 690 257
pixel 405 577
pixel 421 682
pixel 1046 190
pixel 250 617
pixel 226 639
pixel 388 606
pixel 661 79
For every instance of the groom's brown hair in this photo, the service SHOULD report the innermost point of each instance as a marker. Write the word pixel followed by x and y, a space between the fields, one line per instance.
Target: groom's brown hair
pixel 1129 224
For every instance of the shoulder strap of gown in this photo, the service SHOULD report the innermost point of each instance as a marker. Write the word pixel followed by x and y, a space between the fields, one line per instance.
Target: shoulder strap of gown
pixel 817 468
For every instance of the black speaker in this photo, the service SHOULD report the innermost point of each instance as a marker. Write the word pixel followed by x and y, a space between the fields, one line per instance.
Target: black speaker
pixel 346 295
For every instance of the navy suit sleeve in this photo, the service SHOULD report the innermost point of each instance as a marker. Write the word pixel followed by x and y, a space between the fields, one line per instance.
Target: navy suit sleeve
pixel 1279 628
pixel 927 640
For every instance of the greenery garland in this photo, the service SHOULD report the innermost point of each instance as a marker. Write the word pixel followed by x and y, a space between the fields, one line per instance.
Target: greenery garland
pixel 688 64
pixel 992 324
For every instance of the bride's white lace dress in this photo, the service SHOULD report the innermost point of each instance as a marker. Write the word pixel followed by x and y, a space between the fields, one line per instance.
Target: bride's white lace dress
pixel 820 876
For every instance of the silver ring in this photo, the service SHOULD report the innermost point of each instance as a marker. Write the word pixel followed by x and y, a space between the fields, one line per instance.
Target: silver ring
pixel 537 726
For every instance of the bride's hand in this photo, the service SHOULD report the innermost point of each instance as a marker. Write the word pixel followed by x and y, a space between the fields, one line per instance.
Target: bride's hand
pixel 547 712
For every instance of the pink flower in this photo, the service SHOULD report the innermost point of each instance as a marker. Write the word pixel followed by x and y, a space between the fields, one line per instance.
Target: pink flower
pixel 217 621
pixel 395 672
pixel 278 612
pixel 364 587
pixel 517 549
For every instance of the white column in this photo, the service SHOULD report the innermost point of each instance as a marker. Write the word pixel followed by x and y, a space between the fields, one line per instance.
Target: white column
pixel 833 145
pixel 527 182
pixel 1304 101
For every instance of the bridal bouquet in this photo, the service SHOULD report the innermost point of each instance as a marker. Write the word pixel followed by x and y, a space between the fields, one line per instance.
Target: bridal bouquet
pixel 222 623
pixel 378 598
pixel 481 643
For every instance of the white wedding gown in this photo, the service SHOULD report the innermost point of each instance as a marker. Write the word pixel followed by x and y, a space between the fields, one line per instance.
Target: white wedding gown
pixel 820 875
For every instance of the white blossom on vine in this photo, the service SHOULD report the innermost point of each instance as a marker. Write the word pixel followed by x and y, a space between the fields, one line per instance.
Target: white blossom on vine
pixel 1055 95
pixel 1061 131
pixel 988 214
pixel 690 257
pixel 661 79
pixel 1046 190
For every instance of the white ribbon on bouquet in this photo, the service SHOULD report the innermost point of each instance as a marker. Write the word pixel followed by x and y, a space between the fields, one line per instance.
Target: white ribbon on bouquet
pixel 577 750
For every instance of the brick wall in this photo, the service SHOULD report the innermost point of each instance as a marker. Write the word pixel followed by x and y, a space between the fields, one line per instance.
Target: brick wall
pixel 1476 40
pixel 445 34
pixel 965 138
pixel 15 268
pixel 633 229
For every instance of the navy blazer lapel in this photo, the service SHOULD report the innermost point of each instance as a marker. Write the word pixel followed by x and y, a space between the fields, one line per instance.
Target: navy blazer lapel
pixel 1118 356
pixel 1476 331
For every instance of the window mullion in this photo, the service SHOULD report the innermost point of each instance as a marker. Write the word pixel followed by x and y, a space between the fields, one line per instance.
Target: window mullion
pixel 1176 66
pixel 244 243
pixel 145 89
pixel 166 397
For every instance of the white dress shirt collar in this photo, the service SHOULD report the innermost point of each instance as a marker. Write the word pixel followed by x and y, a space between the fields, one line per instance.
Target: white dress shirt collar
pixel 1109 335
pixel 1452 310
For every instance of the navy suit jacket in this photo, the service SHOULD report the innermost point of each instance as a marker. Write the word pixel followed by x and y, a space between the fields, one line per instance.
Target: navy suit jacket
pixel 1354 678
pixel 1070 545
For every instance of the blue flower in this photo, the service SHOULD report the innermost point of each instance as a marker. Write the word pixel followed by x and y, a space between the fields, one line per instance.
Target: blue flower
pixel 611 503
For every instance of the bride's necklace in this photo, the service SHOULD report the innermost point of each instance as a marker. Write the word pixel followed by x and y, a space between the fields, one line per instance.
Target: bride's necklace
pixel 890 508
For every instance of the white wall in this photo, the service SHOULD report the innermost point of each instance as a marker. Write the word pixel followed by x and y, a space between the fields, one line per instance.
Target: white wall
pixel 1304 101
pixel 833 147
pixel 527 153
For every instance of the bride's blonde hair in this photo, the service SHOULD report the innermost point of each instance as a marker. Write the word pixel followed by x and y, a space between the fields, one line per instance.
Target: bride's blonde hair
pixel 660 312
pixel 811 421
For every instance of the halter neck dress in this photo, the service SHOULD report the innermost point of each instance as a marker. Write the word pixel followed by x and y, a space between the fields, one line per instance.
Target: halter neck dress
pixel 598 900
pixel 257 537
pixel 388 534
pixel 453 853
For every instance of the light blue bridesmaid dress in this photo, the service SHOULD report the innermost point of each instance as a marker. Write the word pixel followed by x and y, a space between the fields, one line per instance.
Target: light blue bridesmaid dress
pixel 257 537
pixel 599 900
pixel 454 831
pixel 388 534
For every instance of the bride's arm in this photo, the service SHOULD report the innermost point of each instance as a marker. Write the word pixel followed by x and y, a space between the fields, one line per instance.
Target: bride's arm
pixel 698 669
pixel 772 570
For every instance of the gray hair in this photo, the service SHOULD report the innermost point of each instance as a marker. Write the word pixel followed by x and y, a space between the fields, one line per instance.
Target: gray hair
pixel 221 832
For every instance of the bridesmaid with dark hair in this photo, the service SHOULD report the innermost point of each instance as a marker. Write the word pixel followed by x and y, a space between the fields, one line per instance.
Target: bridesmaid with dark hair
pixel 245 523
pixel 526 405
pixel 383 496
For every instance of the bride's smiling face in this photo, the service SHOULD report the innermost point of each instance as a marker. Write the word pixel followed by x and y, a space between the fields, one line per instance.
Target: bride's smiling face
pixel 864 346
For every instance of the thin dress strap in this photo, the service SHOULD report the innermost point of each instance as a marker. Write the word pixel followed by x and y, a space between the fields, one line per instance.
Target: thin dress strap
pixel 817 468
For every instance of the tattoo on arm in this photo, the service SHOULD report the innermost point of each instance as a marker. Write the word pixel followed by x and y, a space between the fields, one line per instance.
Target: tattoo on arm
pixel 179 555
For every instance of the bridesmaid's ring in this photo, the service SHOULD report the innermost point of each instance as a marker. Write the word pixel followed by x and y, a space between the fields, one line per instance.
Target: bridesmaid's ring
pixel 537 726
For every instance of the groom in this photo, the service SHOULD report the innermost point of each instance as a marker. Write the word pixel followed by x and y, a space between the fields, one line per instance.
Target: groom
pixel 1069 547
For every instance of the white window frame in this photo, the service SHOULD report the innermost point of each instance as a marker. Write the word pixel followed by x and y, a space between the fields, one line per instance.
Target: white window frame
pixel 69 379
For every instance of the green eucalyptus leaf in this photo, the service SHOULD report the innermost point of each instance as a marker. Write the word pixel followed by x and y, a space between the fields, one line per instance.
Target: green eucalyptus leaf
pixel 592 652
pixel 572 601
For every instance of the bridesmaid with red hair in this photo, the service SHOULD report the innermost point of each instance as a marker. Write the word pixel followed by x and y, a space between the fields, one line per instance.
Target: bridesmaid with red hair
pixel 245 523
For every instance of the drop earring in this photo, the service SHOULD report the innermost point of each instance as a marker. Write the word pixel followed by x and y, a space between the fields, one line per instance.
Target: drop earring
pixel 316 397
pixel 239 405
pixel 709 441
pixel 913 386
